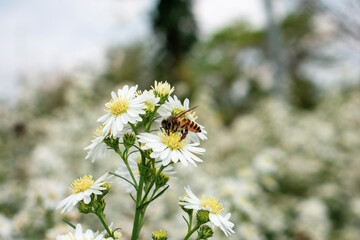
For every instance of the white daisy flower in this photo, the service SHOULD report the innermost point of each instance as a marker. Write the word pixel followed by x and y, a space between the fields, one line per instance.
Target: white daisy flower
pixel 98 146
pixel 80 235
pixel 209 203
pixel 150 100
pixel 133 161
pixel 82 190
pixel 169 148
pixel 174 106
pixel 123 108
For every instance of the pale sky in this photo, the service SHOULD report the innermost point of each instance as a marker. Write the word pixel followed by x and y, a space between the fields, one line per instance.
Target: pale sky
pixel 44 36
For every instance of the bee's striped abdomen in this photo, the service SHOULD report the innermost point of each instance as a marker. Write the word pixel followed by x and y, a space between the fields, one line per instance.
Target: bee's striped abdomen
pixel 194 127
pixel 190 125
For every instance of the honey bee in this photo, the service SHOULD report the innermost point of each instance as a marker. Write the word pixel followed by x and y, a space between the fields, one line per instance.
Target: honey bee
pixel 177 122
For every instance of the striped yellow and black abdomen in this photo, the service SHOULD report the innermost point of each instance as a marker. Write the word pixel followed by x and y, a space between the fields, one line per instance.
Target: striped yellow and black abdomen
pixel 190 125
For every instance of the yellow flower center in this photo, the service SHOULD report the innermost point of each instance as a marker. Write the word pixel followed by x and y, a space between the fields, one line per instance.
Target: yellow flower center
pixel 173 141
pixel 149 107
pixel 210 201
pixel 118 106
pixel 176 111
pixel 82 184
pixel 98 131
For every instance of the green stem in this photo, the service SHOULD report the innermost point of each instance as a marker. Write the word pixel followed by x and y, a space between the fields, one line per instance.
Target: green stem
pixel 126 155
pixel 136 226
pixel 192 231
pixel 152 183
pixel 138 211
pixel 102 219
pixel 150 121
pixel 134 128
pixel 190 222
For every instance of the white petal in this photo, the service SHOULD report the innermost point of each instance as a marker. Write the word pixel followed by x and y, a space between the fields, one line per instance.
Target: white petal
pixel 165 153
pixel 104 117
pixel 174 157
pixel 113 95
pixel 78 232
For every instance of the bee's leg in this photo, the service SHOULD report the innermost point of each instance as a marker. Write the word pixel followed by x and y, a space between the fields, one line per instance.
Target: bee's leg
pixel 184 132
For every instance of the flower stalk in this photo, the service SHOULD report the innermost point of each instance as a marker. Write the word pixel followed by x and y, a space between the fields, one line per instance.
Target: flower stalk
pixel 147 157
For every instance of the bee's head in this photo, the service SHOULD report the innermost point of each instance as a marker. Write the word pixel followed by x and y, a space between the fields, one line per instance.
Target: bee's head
pixel 166 124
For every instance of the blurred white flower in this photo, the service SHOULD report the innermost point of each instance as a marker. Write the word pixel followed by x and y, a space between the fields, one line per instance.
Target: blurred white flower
pixel 247 188
pixel 209 203
pixel 313 218
pixel 123 108
pixel 249 231
pixel 247 207
pixel 264 164
pixel 80 235
pixel 355 206
pixel 82 190
pixel 133 164
pixel 173 106
pixel 267 161
pixel 50 191
pixel 6 228
pixel 169 148
pixel 273 218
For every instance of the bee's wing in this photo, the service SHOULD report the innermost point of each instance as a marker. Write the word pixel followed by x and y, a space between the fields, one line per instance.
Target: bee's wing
pixel 183 112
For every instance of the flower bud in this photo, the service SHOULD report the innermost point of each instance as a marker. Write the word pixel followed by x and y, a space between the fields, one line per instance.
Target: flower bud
pixel 205 232
pixel 84 208
pixel 159 235
pixel 105 191
pixel 129 140
pixel 117 235
pixel 112 142
pixel 162 180
pixel 202 216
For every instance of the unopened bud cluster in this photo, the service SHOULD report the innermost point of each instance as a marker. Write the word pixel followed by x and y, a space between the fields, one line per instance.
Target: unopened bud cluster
pixel 205 232
pixel 129 140
pixel 159 235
